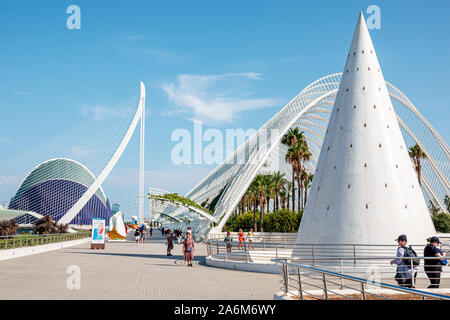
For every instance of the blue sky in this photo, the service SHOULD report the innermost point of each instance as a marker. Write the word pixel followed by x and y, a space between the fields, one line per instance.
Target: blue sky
pixel 256 55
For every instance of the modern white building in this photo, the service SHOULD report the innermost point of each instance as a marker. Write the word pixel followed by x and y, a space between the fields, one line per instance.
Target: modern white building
pixel 365 112
pixel 365 189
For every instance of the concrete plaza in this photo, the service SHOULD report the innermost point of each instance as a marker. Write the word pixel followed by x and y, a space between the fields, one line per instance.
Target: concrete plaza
pixel 127 271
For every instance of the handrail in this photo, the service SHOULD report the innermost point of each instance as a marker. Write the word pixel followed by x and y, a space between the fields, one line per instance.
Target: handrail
pixel 322 244
pixel 362 281
pixel 19 241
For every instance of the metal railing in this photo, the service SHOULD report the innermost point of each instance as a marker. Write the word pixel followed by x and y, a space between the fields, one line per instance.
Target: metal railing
pixel 252 251
pixel 258 237
pixel 304 282
pixel 20 241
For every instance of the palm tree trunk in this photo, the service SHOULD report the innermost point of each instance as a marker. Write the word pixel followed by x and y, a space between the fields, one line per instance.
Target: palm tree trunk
pixel 299 192
pixel 261 216
pixel 306 196
pixel 254 215
pixel 277 203
pixel 293 188
pixel 288 195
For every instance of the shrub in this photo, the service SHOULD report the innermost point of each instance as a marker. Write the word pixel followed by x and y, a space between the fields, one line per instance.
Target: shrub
pixel 46 225
pixel 279 221
pixel 282 221
pixel 8 227
pixel 442 222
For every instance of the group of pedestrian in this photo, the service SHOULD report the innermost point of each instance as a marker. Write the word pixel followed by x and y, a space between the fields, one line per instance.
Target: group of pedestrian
pixel 407 262
pixel 188 243
pixel 242 240
pixel 140 234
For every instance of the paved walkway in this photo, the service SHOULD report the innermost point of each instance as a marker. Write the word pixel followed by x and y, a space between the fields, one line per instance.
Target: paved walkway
pixel 127 271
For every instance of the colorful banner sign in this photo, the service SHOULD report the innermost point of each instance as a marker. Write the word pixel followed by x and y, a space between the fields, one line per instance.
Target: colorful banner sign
pixel 98 231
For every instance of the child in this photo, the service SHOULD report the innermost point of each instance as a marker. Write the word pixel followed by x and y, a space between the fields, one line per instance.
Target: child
pixel 228 241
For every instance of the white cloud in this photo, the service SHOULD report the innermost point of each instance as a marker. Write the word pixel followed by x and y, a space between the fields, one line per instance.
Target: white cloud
pixel 215 99
pixel 21 93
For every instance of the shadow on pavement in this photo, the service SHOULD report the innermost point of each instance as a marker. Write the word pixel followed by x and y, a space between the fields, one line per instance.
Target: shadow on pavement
pixel 200 259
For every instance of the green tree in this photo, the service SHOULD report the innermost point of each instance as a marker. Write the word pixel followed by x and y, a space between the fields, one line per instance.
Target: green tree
pixel 8 227
pixel 417 155
pixel 447 202
pixel 290 139
pixel 260 185
pixel 442 222
pixel 278 181
pixel 306 185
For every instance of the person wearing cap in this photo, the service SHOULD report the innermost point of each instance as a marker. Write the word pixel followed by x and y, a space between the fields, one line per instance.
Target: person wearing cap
pixel 433 267
pixel 404 273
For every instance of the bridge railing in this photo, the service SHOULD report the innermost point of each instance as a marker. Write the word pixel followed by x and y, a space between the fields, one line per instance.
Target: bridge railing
pixel 301 281
pixel 20 241
pixel 267 250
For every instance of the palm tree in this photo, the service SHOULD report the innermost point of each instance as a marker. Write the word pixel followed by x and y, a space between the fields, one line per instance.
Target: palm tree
pixel 268 190
pixel 306 185
pixel 278 181
pixel 253 198
pixel 292 159
pixel 290 139
pixel 260 187
pixel 433 209
pixel 417 155
pixel 447 202
pixel 296 155
pixel 283 196
pixel 288 188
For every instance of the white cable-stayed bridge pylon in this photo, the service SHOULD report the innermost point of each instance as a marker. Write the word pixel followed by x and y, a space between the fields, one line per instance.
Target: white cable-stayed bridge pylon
pixel 310 111
pixel 97 144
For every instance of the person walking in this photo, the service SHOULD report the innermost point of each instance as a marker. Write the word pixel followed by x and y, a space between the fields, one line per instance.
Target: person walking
pixel 188 250
pixel 137 235
pixel 250 238
pixel 404 273
pixel 151 232
pixel 143 230
pixel 433 267
pixel 228 240
pixel 241 239
pixel 169 243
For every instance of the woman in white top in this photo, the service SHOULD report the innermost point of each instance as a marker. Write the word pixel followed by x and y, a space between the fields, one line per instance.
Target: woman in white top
pixel 250 238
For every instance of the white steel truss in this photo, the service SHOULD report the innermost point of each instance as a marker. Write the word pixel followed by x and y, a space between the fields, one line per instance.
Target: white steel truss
pixel 310 111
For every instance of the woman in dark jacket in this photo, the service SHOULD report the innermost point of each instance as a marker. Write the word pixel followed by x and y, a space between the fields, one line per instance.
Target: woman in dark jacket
pixel 433 267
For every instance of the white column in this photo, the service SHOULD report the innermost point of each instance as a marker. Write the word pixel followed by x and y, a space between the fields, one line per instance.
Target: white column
pixel 141 163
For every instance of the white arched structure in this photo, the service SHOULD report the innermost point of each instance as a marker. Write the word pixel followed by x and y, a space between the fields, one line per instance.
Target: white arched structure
pixel 112 162
pixel 310 111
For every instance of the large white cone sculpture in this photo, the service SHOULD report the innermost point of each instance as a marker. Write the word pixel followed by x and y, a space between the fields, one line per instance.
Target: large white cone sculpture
pixel 365 189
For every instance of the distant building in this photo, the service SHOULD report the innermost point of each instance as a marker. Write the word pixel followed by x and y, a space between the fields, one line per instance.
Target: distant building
pixel 115 208
pixel 53 187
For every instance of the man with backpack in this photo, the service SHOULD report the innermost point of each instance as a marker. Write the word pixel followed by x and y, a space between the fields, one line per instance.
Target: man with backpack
pixel 406 268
